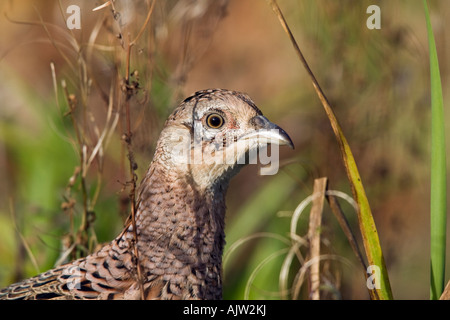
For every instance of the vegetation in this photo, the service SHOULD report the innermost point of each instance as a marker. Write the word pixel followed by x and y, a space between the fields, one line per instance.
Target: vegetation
pixel 81 111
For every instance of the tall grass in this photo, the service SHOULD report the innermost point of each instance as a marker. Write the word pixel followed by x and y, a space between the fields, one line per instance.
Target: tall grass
pixel 438 206
pixel 366 222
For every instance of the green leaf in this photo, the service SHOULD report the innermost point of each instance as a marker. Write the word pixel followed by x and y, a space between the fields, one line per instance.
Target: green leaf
pixel 438 206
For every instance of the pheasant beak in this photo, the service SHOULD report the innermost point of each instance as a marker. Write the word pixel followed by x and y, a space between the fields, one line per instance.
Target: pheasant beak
pixel 267 132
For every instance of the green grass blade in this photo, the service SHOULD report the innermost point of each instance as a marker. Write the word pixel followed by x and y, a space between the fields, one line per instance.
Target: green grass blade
pixel 438 206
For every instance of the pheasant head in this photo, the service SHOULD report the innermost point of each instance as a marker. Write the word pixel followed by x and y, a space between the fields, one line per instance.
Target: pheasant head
pixel 212 134
pixel 181 204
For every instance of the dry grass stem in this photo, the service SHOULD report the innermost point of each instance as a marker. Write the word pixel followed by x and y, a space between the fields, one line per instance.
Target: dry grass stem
pixel 315 222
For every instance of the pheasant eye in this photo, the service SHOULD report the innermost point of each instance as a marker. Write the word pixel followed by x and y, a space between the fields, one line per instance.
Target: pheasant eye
pixel 214 121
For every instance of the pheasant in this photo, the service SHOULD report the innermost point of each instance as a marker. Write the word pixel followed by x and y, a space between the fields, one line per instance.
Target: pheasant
pixel 180 210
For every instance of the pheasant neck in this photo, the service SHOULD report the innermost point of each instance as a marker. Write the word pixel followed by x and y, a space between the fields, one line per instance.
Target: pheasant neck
pixel 180 228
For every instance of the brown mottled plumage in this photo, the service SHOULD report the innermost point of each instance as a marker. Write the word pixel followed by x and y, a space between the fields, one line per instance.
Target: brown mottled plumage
pixel 179 212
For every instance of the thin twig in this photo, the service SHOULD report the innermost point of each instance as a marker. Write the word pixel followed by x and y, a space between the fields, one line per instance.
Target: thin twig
pixel 147 19
pixel 315 221
pixel 345 226
pixel 128 139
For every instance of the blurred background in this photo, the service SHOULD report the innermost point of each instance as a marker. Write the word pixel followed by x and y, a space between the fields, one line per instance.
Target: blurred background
pixel 63 103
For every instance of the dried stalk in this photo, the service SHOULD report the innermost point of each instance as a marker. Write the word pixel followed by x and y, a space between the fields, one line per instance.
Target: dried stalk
pixel 315 222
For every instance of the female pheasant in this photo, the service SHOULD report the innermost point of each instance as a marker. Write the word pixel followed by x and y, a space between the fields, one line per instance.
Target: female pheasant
pixel 180 210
